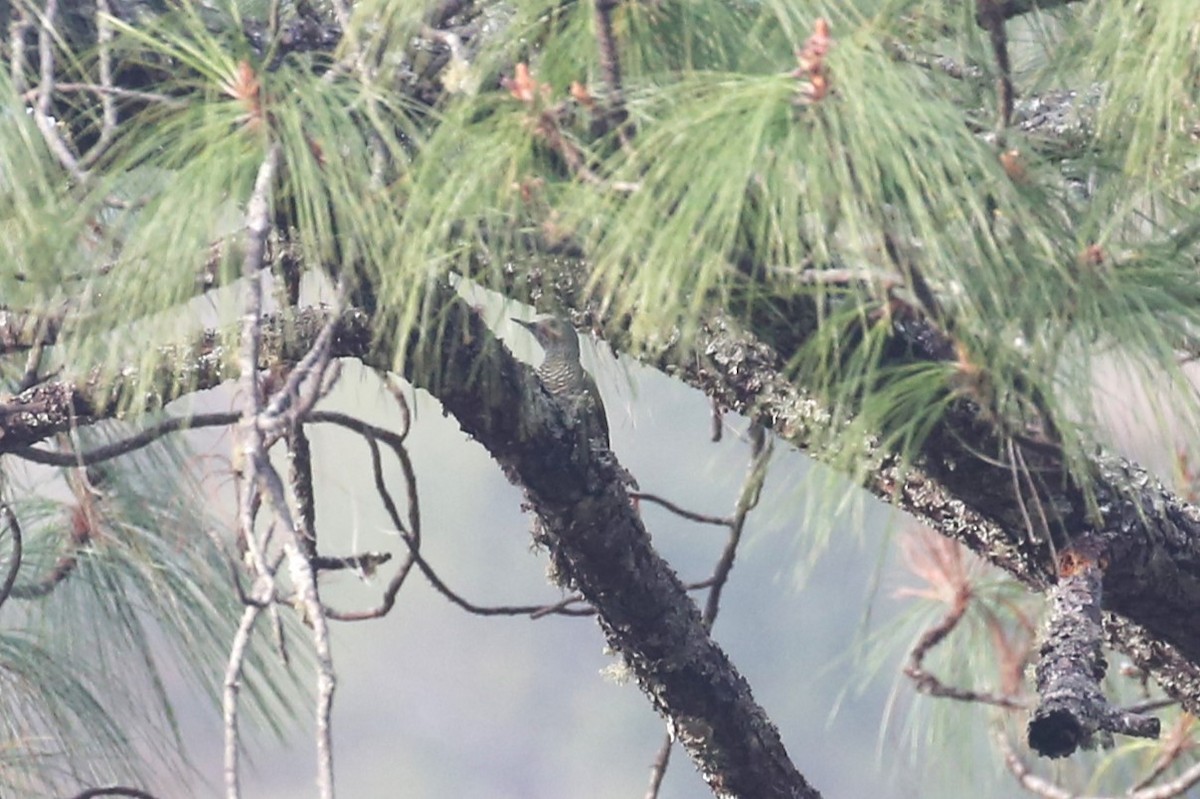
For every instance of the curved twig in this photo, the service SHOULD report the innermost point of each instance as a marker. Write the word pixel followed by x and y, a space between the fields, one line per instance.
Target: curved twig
pixel 747 500
pixel 702 518
pixel 411 533
pixel 659 769
pixel 14 561
pixel 114 790
pixel 127 445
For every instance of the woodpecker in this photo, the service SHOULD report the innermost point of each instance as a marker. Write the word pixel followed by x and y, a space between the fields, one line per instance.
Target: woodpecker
pixel 564 376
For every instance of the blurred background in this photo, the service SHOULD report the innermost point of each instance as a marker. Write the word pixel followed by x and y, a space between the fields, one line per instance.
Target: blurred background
pixel 435 702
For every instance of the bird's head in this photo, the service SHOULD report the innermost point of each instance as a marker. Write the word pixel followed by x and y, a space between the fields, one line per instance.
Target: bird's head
pixel 553 334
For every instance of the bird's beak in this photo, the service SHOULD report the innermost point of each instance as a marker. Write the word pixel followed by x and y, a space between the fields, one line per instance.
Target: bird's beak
pixel 527 325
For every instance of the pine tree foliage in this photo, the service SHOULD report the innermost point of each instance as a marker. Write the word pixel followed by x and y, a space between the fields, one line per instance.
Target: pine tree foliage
pixel 858 174
pixel 117 591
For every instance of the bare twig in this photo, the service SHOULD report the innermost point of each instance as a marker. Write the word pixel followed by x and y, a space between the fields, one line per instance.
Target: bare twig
pixel 484 610
pixel 313 366
pixel 17 29
pixel 108 105
pixel 1048 790
pixel 14 557
pixel 1178 741
pixel 41 109
pixel 940 563
pixel 114 790
pixel 109 91
pixel 991 16
pixel 659 769
pixel 928 683
pixel 562 606
pixel 250 447
pixel 232 686
pixel 701 518
pixel 304 580
pixel 747 500
pixel 126 445
pixel 260 416
pixel 410 532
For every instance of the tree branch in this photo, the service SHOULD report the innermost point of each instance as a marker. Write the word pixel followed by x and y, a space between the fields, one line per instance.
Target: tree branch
pixel 599 546
pixel 1154 580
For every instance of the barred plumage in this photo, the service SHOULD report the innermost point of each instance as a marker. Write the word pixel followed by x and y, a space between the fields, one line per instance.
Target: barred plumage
pixel 564 376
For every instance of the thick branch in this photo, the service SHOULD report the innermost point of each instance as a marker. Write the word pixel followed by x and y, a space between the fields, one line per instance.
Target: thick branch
pixel 597 541
pixel 1153 582
pixel 1153 536
pixel 600 547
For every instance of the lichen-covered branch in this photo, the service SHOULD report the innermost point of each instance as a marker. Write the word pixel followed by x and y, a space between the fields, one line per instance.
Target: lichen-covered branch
pixel 1072 708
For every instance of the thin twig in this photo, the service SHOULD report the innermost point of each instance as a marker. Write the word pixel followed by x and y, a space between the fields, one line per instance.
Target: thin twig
pixel 126 445
pixel 249 445
pixel 16 46
pixel 747 500
pixel 108 105
pixel 114 790
pixel 1048 790
pixel 659 769
pixel 304 579
pixel 41 109
pixel 260 416
pixel 991 17
pixel 561 607
pixel 1179 741
pixel 941 566
pixel 373 433
pixel 110 91
pixel 410 534
pixel 928 683
pixel 14 558
pixel 701 518
pixel 232 686
pixel 313 365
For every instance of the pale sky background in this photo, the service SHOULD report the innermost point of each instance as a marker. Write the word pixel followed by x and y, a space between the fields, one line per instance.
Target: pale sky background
pixel 434 702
